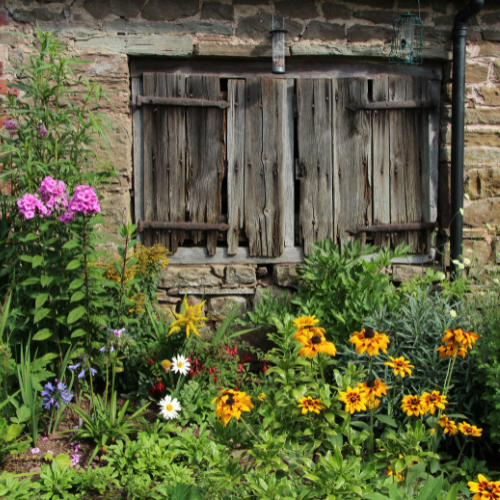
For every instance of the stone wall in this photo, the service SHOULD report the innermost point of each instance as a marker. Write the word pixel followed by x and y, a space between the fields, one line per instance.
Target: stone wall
pixel 107 32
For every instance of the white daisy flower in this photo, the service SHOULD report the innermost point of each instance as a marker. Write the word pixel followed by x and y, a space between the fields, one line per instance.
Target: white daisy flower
pixel 169 407
pixel 181 365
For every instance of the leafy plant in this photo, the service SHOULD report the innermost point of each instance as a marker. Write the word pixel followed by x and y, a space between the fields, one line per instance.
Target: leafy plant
pixel 56 482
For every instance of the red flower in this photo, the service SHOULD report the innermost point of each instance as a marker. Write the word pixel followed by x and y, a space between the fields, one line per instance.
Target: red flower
pixel 264 369
pixel 236 388
pixel 151 362
pixel 240 368
pixel 215 378
pixel 196 363
pixel 191 372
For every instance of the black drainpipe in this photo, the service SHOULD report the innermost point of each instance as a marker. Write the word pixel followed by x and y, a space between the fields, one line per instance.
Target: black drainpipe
pixel 459 35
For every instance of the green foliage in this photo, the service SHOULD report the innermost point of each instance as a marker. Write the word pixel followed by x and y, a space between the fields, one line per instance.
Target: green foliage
pixel 56 482
pixel 268 308
pixel 13 489
pixel 9 444
pixel 343 287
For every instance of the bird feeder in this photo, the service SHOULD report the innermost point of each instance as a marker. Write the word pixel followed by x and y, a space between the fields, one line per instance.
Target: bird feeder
pixel 407 40
pixel 278 34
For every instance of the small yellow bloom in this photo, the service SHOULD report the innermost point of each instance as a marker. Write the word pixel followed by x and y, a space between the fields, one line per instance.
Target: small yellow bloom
pixel 412 406
pixel 373 404
pixel 373 388
pixel 370 341
pixel 308 404
pixel 192 319
pixel 262 396
pixel 485 490
pixel 231 404
pixel 470 430
pixel 354 399
pixel 166 365
pixel 432 401
pixel 450 427
pixel 305 321
pixel 400 365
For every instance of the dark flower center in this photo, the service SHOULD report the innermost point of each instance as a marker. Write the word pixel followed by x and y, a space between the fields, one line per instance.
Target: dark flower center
pixel 488 488
pixel 369 333
pixel 230 400
pixel 370 384
pixel 415 401
pixel 469 429
pixel 432 398
pixel 316 339
pixel 399 363
pixel 353 399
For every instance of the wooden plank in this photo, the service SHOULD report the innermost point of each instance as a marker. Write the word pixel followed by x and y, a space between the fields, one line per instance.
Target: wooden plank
pixel 138 145
pixel 175 143
pixel 295 68
pixel 235 162
pixel 179 101
pixel 314 131
pixel 149 86
pixel 380 104
pixel 352 158
pixel 381 162
pixel 204 156
pixel 288 166
pixel 405 141
pixel 265 138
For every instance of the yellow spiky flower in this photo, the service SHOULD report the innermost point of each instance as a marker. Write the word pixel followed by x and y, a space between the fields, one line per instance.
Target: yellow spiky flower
pixel 192 319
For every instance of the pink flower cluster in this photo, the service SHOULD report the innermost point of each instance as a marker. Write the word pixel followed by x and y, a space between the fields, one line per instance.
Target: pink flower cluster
pixel 54 197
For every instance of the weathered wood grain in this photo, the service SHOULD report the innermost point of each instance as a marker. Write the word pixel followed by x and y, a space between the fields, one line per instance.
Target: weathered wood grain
pixel 314 133
pixel 381 162
pixel 288 166
pixel 235 162
pixel 204 156
pixel 352 158
pixel 405 141
pixel 138 146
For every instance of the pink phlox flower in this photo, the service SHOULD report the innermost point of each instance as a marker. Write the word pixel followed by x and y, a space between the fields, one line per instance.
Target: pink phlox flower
pixel 30 205
pixel 66 217
pixel 84 200
pixel 35 451
pixel 45 438
pixel 54 193
pixel 75 459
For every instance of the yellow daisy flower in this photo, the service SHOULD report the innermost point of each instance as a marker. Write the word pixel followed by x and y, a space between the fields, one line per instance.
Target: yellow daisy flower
pixel 231 404
pixel 373 404
pixel 485 490
pixel 262 396
pixel 373 388
pixel 308 404
pixel 400 365
pixel 354 399
pixel 450 427
pixel 370 341
pixel 314 342
pixel 456 341
pixel 432 401
pixel 305 321
pixel 412 406
pixel 192 319
pixel 469 430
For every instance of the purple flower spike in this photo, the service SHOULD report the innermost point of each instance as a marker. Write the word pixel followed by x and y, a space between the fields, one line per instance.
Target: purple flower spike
pixel 42 132
pixel 81 374
pixel 52 396
pixel 93 371
pixel 74 367
pixel 11 126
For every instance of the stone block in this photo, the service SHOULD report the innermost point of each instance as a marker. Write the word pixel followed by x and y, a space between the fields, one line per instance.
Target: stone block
pixel 444 20
pixel 491 95
pixel 222 306
pixel 378 16
pixel 100 9
pixel 481 116
pixel 286 275
pixel 240 275
pixel 300 9
pixel 378 4
pixel 236 50
pixel 335 11
pixel 436 35
pixel 203 27
pixel 136 28
pixel 169 10
pixel 439 6
pixel 12 39
pixel 363 33
pixel 490 18
pixel 188 276
pixel 320 30
pixel 483 211
pixel 491 35
pixel 36 14
pixel 217 11
pixel 480 251
pixel 70 30
pixel 482 183
pixel 219 270
pixel 474 156
pixel 401 274
pixel 250 2
pixel 489 50
pixel 496 71
pixel 476 73
pixel 16 57
pixel 488 138
pixel 257 27
pixel 373 49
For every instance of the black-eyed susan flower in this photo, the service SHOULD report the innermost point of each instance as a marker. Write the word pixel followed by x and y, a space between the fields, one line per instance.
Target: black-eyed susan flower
pixel 390 472
pixel 456 342
pixel 354 399
pixel 432 401
pixel 192 319
pixel 485 490
pixel 400 365
pixel 231 404
pixel 314 342
pixel 373 404
pixel 470 430
pixel 451 350
pixel 373 388
pixel 370 341
pixel 308 404
pixel 305 321
pixel 449 426
pixel 412 406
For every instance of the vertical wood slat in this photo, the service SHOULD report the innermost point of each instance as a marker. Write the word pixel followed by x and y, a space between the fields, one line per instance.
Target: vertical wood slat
pixel 381 163
pixel 405 141
pixel 352 158
pixel 289 164
pixel 204 156
pixel 266 133
pixel 138 146
pixel 235 162
pixel 314 131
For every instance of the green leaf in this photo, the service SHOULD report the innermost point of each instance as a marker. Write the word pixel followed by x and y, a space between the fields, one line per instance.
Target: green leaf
pixel 26 258
pixel 63 460
pixel 414 472
pixel 13 431
pixel 23 414
pixel 40 300
pixel 49 356
pixel 375 495
pixel 74 264
pixel 385 419
pixel 76 283
pixel 78 333
pixel 37 261
pixel 45 280
pixel 77 296
pixel 76 314
pixel 431 488
pixel 453 493
pixel 42 335
pixel 30 281
pixel 70 244
pixel 41 314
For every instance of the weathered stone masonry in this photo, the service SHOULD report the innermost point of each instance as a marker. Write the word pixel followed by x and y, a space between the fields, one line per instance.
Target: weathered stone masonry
pixel 108 32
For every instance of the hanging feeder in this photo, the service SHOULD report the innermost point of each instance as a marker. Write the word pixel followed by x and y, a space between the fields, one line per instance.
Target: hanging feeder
pixel 278 35
pixel 407 40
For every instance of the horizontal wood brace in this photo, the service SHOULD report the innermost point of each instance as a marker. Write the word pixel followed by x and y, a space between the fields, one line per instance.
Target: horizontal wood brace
pixel 433 103
pixel 180 101
pixel 187 226
pixel 392 228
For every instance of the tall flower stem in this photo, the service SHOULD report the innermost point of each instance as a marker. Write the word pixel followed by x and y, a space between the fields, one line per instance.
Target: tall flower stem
pixel 394 393
pixel 461 453
pixel 371 433
pixel 449 374
pixel 122 283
